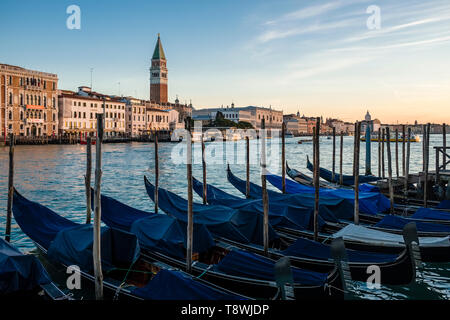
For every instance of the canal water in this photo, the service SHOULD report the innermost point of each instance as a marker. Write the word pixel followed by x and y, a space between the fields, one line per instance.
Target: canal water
pixel 53 175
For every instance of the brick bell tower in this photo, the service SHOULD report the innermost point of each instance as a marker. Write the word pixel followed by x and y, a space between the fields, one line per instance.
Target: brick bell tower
pixel 158 75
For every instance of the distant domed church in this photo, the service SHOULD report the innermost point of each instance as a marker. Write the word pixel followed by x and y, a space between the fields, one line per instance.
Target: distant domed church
pixel 373 124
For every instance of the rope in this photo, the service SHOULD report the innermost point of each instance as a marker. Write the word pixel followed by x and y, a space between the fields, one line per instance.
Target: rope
pixel 206 270
pixel 116 295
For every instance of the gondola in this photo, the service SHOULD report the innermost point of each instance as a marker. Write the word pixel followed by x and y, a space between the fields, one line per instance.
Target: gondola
pixel 369 203
pixel 127 276
pixel 427 219
pixel 304 179
pixel 23 276
pixel 163 237
pixel 397 269
pixel 347 179
pixel 436 250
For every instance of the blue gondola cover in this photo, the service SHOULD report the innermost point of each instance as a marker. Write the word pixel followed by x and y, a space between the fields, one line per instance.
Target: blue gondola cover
pixel 174 285
pixel 221 221
pixel 19 272
pixel 167 235
pixel 396 222
pixel 315 250
pixel 73 246
pixel 431 214
pixel 247 264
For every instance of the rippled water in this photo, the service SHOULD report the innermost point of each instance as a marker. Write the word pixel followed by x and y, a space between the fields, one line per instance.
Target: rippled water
pixel 54 176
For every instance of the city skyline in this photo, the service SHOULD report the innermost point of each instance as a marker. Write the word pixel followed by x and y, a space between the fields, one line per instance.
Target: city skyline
pixel 317 57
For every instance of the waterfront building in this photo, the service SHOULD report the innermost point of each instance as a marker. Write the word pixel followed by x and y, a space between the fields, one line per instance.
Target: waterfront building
pixel 78 112
pixel 295 124
pixel 29 102
pixel 234 114
pixel 157 120
pixel 135 116
pixel 250 114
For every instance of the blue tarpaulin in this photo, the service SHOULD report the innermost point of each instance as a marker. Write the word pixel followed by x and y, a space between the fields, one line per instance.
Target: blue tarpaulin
pixel 38 222
pixel 246 264
pixel 281 214
pixel 315 250
pixel 396 222
pixel 431 214
pixel 221 221
pixel 158 232
pixel 347 179
pixel 166 234
pixel 174 285
pixel 74 246
pixel 19 272
pixel 444 204
pixel 370 203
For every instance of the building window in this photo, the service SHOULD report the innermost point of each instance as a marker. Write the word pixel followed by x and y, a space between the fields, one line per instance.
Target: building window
pixel 54 117
pixel 74 103
pixel 84 115
pixel 45 101
pixel 74 114
pixel 54 85
pixel 21 115
pixel 45 116
pixel 10 98
pixel 39 100
pixel 10 115
pixel 21 99
pixel 54 103
pixel 45 84
pixel 10 80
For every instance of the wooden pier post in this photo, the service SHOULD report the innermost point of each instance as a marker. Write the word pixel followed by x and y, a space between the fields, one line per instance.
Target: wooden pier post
pixel 379 152
pixel 156 196
pixel 87 179
pixel 383 137
pixel 333 173
pixel 368 151
pixel 408 156
pixel 389 156
pixel 444 144
pixel 265 197
pixel 283 157
pixel 427 159
pixel 341 158
pixel 10 188
pixel 316 148
pixel 396 154
pixel 356 169
pixel 205 199
pixel 98 274
pixel 190 224
pixel 403 150
pixel 247 165
pixel 424 143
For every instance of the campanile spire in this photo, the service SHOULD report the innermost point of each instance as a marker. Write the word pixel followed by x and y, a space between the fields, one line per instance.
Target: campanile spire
pixel 158 74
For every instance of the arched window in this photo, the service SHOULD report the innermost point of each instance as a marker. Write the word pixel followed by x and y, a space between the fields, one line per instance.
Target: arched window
pixel 45 116
pixel 10 115
pixel 10 98
pixel 21 115
pixel 39 100
pixel 54 103
pixel 21 99
pixel 45 101
pixel 54 117
pixel 28 99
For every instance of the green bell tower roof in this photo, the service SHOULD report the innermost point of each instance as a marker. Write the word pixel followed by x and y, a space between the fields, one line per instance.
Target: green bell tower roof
pixel 159 52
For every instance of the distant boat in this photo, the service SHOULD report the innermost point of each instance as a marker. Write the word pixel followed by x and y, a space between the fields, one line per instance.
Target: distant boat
pixel 305 141
pixel 288 135
pixel 84 142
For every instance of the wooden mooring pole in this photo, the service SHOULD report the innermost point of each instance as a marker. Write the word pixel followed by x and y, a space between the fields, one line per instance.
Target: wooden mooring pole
pixel 341 158
pixel 379 152
pixel 98 274
pixel 265 196
pixel 247 168
pixel 10 188
pixel 383 138
pixel 205 195
pixel 444 144
pixel 190 224
pixel 283 157
pixel 87 179
pixel 156 196
pixel 356 170
pixel 427 159
pixel 389 156
pixel 396 154
pixel 368 151
pixel 333 172
pixel 408 156
pixel 316 151
pixel 403 150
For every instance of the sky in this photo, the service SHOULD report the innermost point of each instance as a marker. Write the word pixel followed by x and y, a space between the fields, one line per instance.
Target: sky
pixel 322 58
